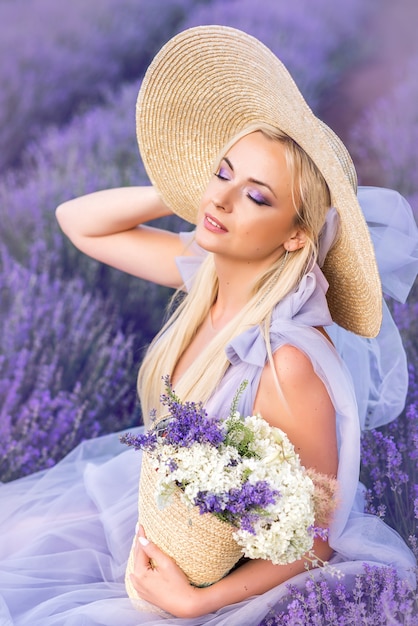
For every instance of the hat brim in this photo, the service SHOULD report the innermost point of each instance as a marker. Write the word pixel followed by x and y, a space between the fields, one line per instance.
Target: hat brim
pixel 202 88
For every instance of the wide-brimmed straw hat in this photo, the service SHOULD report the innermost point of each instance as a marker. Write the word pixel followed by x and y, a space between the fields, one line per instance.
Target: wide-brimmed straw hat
pixel 207 84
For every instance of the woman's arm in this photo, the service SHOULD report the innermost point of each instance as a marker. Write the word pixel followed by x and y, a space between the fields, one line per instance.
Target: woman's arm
pixel 110 227
pixel 304 410
pixel 166 586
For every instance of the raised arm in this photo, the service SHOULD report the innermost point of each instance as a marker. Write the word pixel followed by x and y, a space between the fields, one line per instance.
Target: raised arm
pixel 110 226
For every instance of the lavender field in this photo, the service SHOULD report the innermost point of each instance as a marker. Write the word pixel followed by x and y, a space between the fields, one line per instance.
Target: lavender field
pixel 73 331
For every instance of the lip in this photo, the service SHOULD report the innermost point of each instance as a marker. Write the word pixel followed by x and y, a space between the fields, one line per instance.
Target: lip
pixel 214 225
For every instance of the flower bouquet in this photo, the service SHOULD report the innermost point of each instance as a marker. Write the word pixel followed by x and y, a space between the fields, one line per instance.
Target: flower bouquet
pixel 212 491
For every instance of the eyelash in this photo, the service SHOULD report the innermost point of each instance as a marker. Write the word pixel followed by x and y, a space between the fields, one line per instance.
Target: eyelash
pixel 218 175
pixel 258 202
pixel 249 196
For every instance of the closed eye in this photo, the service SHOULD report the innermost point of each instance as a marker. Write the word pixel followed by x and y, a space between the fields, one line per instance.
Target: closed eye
pixel 258 198
pixel 223 174
pixel 226 174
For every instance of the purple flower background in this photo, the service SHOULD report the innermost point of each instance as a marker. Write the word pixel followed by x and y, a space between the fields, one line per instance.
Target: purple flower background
pixel 72 331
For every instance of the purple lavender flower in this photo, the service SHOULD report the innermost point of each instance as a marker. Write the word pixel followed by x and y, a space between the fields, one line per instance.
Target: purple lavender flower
pixel 240 506
pixel 143 441
pixel 68 56
pixel 390 468
pixel 66 373
pixel 190 422
pixel 187 424
pixel 377 597
pixel 172 465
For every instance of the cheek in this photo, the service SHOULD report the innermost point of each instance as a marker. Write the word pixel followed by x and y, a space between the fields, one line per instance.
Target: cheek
pixel 261 229
pixel 261 240
pixel 201 208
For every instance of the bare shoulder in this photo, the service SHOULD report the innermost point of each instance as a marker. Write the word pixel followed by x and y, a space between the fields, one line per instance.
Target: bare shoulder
pixel 293 371
pixel 292 365
pixel 293 397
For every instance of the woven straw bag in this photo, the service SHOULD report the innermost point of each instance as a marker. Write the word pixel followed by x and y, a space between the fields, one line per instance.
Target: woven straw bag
pixel 201 545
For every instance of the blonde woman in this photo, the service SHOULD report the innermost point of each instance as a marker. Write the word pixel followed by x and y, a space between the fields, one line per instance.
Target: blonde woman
pixel 280 259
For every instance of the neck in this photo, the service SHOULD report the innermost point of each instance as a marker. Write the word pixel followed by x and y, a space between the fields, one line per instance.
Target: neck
pixel 234 291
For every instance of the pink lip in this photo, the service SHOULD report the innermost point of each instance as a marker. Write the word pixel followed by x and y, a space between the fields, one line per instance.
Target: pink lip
pixel 214 225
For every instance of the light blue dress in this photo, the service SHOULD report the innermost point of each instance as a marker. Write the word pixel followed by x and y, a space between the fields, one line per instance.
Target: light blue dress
pixel 65 533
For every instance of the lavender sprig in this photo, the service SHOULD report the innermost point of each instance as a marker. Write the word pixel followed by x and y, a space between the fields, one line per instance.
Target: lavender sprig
pixel 188 423
pixel 240 507
pixel 145 441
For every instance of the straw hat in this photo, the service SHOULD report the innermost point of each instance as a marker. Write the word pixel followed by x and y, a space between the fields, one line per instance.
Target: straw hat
pixel 203 87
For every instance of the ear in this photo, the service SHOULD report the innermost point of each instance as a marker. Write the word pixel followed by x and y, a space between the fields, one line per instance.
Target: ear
pixel 296 241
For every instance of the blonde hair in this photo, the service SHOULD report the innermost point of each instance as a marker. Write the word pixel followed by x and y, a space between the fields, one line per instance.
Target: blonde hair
pixel 311 200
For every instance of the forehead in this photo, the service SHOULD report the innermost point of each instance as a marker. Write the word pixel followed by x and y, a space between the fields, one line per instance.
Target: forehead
pixel 258 147
pixel 260 157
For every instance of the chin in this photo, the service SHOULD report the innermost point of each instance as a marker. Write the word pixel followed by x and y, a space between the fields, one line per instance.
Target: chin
pixel 205 245
pixel 203 239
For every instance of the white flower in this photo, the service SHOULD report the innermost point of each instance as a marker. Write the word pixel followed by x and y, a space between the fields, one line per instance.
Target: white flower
pixel 282 530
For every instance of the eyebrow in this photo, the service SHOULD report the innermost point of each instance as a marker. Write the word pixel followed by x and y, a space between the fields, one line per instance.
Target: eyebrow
pixel 251 180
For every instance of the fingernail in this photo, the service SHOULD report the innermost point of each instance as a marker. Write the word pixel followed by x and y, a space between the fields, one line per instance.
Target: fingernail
pixel 137 528
pixel 143 541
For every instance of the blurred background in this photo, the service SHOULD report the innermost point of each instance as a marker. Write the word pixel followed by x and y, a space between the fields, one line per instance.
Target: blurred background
pixel 72 331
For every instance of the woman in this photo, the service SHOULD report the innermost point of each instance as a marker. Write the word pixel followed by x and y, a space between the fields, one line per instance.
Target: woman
pixel 230 145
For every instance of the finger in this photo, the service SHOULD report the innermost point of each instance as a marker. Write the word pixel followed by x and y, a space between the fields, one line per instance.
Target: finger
pixel 155 555
pixel 141 559
pixel 150 549
pixel 147 551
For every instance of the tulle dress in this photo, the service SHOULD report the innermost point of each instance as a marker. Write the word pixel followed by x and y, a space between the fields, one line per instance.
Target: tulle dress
pixel 66 532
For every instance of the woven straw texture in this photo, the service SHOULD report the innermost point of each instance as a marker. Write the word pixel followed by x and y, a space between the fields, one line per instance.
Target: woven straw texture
pixel 203 87
pixel 201 545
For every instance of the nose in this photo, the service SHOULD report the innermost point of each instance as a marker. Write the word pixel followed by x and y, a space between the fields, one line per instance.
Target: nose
pixel 222 199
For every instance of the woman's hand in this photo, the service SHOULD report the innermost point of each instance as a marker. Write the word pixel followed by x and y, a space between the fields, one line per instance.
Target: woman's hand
pixel 158 580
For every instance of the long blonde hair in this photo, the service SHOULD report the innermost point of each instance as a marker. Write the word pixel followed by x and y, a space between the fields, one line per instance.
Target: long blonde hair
pixel 312 200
